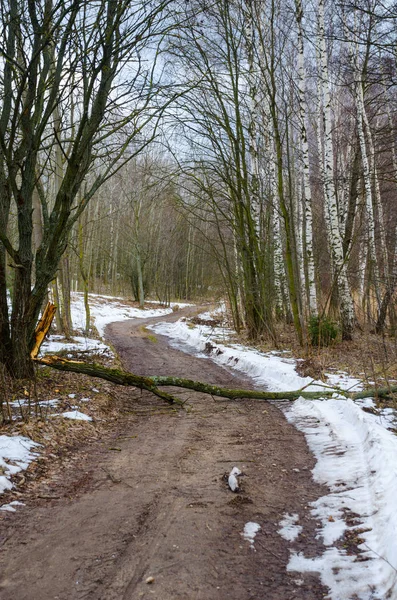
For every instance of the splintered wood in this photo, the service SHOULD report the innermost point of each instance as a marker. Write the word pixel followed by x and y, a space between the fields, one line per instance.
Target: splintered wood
pixel 42 328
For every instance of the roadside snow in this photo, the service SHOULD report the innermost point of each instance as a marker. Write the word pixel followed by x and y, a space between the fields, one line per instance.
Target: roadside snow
pixel 16 453
pixel 272 370
pixel 289 530
pixel 104 313
pixel 356 458
pixel 81 344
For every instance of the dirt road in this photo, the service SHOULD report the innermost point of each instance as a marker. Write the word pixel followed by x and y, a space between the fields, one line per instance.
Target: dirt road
pixel 159 507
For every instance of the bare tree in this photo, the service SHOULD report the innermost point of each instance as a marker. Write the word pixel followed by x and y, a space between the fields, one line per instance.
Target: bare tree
pixel 101 61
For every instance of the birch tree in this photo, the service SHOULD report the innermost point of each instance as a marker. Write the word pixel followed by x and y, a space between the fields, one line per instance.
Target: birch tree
pixel 305 159
pixel 340 266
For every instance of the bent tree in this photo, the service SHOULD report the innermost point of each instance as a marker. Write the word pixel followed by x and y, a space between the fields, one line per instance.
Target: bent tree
pixel 79 96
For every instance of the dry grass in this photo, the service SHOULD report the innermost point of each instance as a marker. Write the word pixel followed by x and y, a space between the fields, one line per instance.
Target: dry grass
pixel 63 441
pixel 369 357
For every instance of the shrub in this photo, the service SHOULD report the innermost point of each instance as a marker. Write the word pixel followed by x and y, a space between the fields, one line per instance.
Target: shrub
pixel 322 331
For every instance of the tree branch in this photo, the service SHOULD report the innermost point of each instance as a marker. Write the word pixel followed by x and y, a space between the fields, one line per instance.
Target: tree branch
pixel 152 384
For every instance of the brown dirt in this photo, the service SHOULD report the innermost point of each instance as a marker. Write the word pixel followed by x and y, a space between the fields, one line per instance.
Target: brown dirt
pixel 149 499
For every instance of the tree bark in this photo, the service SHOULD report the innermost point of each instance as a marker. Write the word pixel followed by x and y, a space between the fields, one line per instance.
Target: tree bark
pixel 346 301
pixel 152 384
pixel 311 284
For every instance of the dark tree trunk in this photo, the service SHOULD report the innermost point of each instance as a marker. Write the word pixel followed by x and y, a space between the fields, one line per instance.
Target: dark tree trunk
pixel 5 340
pixel 380 324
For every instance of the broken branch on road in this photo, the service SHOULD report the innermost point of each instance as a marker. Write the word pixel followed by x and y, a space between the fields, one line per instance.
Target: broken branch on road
pixel 154 383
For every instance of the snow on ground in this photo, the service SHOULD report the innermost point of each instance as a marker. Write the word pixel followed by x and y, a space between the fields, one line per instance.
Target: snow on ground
pixel 219 312
pixel 272 370
pixel 250 531
pixel 356 458
pixel 25 402
pixel 76 415
pixel 289 530
pixel 16 452
pixel 10 507
pixel 104 313
pixel 56 344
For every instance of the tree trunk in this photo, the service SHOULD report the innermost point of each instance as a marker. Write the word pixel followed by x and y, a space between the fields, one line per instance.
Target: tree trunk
pixel 85 275
pixel 306 166
pixel 66 316
pixel 346 302
pixel 141 291
pixel 152 384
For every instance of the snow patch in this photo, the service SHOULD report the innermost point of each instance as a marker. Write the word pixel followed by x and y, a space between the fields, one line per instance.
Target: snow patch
pixel 15 455
pixel 250 531
pixel 55 344
pixel 289 530
pixel 356 460
pixel 232 480
pixel 76 415
pixel 10 507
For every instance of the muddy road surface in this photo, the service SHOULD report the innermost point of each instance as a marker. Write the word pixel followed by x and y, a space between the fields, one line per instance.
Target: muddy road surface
pixel 156 519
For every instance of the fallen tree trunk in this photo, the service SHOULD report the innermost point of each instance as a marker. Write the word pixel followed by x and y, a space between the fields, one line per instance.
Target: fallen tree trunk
pixel 152 384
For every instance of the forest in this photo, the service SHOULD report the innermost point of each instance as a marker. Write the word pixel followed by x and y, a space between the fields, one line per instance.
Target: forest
pixel 200 149
pixel 202 195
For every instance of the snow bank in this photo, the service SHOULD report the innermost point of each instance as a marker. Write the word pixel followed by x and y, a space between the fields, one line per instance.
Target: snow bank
pixel 271 370
pixel 15 455
pixel 356 459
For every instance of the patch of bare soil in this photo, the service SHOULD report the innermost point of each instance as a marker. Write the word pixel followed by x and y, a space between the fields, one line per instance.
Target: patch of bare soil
pixel 144 511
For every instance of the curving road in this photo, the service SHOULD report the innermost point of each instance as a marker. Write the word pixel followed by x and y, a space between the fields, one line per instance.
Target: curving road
pixel 160 508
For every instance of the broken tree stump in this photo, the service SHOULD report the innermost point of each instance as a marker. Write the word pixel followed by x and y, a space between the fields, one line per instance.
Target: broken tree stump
pixel 42 328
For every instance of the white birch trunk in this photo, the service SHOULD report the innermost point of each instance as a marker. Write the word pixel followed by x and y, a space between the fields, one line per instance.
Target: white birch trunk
pixel 343 196
pixel 320 146
pixel 253 129
pixel 346 302
pixel 359 97
pixel 298 220
pixel 307 197
pixel 278 259
pixel 378 206
pixel 270 161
